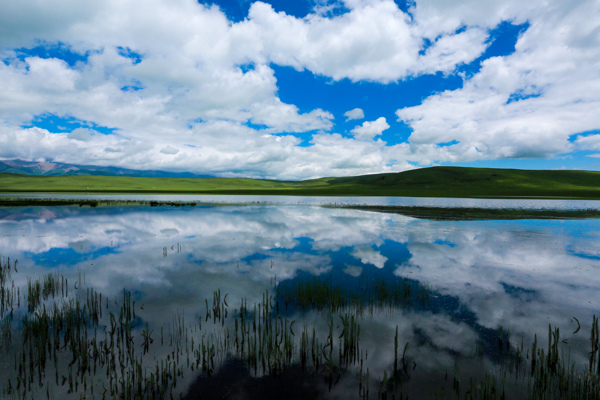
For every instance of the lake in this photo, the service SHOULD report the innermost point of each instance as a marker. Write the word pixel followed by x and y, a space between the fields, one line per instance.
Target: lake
pixel 270 297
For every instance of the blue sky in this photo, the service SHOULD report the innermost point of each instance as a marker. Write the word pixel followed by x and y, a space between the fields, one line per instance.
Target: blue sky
pixel 303 89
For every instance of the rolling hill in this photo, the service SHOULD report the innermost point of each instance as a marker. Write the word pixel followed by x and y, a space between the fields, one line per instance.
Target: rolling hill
pixel 426 182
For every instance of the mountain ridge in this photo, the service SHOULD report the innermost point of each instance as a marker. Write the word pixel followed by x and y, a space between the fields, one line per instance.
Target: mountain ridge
pixel 45 168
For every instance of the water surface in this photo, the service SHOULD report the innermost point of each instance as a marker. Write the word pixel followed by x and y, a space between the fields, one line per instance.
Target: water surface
pixel 443 202
pixel 478 275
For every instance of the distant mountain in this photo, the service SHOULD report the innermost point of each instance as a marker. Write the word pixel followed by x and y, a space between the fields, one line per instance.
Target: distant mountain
pixel 59 169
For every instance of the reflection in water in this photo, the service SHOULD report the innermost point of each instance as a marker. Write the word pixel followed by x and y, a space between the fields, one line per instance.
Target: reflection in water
pixel 521 275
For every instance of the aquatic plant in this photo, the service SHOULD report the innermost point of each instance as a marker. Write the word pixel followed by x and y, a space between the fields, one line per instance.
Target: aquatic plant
pixel 373 293
pixel 68 340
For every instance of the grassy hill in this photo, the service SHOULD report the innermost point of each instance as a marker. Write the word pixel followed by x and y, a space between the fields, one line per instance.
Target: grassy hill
pixel 426 182
pixel 480 182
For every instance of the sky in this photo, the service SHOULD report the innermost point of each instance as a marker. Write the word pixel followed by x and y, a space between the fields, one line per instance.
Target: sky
pixel 301 89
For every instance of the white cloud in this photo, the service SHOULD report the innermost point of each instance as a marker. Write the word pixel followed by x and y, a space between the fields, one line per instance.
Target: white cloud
pixel 374 41
pixel 370 129
pixel 356 113
pixel 205 150
pixel 169 150
pixel 589 142
pixel 82 134
pixel 451 50
pixel 280 117
pixel 527 104
pixel 369 256
pixel 191 91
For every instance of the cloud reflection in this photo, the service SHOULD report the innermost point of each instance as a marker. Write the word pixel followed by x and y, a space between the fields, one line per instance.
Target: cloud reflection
pixel 521 275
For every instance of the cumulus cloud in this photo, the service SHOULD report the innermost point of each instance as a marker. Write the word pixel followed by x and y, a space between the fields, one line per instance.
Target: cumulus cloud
pixel 448 51
pixel 588 142
pixel 356 113
pixel 82 134
pixel 527 104
pixel 171 73
pixel 169 150
pixel 370 129
pixel 369 256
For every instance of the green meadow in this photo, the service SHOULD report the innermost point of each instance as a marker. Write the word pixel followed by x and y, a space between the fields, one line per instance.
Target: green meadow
pixel 426 182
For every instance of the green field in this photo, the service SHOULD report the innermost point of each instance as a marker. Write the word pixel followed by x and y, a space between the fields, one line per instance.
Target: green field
pixel 426 182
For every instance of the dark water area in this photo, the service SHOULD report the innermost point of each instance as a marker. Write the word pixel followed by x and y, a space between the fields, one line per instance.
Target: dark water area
pixel 437 301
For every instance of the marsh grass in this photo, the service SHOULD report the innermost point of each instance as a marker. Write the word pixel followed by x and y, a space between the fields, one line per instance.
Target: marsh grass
pixel 372 294
pixel 477 214
pixel 67 340
pixel 541 374
pixel 93 203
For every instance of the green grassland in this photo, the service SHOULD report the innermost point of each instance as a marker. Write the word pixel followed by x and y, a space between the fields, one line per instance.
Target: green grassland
pixel 426 182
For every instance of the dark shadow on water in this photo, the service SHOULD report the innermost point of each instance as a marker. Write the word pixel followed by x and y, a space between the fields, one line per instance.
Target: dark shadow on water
pixel 234 381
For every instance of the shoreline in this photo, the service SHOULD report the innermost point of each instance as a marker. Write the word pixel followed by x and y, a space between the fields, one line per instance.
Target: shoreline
pixel 441 213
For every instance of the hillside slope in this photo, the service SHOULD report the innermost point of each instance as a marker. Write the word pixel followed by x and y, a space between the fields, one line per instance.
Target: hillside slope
pixel 479 182
pixel 426 182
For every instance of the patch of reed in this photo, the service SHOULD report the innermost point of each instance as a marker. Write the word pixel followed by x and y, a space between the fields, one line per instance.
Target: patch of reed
pixel 72 344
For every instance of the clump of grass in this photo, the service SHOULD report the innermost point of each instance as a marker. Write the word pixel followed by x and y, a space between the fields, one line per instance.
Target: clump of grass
pixel 93 203
pixel 548 376
pixel 8 297
pixel 372 293
pixel 78 343
pixel 595 353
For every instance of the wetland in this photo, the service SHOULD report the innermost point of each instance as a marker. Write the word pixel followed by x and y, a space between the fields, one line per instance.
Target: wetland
pixel 270 297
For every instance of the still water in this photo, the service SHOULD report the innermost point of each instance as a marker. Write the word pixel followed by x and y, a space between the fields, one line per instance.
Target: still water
pixel 466 280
